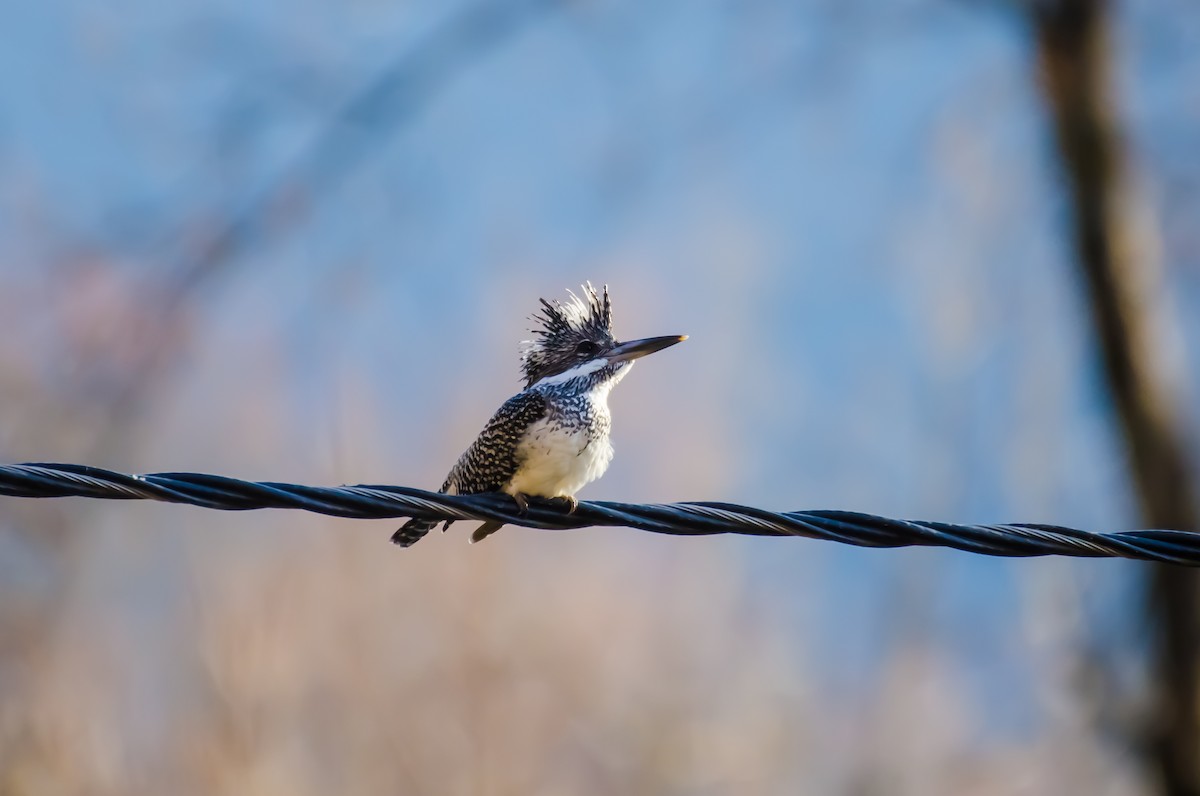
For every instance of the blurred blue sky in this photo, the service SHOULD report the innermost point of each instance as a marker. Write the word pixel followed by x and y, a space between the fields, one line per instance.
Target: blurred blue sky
pixel 852 208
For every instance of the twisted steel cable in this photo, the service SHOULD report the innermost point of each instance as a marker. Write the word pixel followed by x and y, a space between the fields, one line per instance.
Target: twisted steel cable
pixel 683 519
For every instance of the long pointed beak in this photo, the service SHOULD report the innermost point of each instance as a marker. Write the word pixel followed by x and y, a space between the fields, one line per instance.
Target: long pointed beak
pixel 640 348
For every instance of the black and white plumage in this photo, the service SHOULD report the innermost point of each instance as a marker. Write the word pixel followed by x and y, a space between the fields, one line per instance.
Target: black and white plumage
pixel 552 438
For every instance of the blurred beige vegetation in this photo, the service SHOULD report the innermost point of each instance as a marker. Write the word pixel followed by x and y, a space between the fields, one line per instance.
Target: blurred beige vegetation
pixel 155 649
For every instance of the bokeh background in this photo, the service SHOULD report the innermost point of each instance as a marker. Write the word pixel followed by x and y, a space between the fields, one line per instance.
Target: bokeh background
pixel 301 240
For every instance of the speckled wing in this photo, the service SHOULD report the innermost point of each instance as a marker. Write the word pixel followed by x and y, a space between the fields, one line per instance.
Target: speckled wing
pixel 491 461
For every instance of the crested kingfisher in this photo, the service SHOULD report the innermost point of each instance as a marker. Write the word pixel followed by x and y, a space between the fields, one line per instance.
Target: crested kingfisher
pixel 552 437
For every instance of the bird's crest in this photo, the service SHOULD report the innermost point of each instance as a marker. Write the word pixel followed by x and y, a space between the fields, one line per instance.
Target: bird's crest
pixel 561 326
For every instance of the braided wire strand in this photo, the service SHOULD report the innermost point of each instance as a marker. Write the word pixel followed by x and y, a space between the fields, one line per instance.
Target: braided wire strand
pixel 40 480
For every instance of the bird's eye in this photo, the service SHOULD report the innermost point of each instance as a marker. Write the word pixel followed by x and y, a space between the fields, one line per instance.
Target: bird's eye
pixel 586 349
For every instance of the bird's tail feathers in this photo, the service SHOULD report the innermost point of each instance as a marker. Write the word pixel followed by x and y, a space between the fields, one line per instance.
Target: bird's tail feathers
pixel 414 530
pixel 411 532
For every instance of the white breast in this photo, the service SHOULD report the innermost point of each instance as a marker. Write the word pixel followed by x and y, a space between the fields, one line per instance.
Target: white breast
pixel 557 461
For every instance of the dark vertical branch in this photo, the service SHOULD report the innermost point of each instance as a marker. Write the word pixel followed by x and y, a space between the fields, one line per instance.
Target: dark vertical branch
pixel 1074 52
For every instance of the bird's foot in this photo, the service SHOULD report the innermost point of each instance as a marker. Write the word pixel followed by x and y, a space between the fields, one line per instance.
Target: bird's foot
pixel 522 502
pixel 485 530
pixel 571 502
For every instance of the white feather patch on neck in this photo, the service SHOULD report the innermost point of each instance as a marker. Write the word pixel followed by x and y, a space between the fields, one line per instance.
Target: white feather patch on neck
pixel 591 366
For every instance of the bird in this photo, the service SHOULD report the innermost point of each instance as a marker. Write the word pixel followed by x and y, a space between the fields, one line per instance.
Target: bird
pixel 552 438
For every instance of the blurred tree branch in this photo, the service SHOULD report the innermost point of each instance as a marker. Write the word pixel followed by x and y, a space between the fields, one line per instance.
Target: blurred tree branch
pixel 393 96
pixel 1073 41
pixel 118 396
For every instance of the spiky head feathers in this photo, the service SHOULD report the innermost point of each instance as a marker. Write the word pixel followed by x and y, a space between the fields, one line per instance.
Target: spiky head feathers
pixel 567 333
